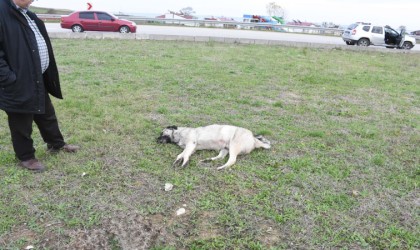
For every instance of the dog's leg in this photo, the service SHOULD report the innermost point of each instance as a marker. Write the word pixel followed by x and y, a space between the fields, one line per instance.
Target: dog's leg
pixel 178 160
pixel 234 150
pixel 222 154
pixel 189 150
pixel 185 155
pixel 181 160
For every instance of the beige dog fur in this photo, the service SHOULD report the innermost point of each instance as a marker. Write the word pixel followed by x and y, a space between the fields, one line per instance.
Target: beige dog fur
pixel 226 139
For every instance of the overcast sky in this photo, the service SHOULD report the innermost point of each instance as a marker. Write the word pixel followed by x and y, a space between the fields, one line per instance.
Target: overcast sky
pixel 343 12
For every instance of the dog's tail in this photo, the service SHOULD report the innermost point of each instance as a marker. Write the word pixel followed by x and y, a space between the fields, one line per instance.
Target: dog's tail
pixel 261 142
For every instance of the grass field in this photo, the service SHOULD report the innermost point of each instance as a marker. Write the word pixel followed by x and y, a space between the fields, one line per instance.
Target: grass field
pixel 342 173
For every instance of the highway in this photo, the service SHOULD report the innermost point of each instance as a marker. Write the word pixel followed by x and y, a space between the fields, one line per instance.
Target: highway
pixel 228 33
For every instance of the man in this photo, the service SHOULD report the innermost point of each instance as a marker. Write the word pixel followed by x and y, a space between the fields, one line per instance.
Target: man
pixel 28 74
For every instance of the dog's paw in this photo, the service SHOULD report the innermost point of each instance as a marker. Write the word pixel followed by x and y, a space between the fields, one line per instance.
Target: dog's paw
pixel 185 164
pixel 177 163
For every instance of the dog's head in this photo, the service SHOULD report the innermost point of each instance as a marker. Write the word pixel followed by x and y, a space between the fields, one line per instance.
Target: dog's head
pixel 167 135
pixel 263 139
pixel 264 143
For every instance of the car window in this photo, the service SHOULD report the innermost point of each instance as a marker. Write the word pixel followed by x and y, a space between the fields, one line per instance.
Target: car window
pixel 352 26
pixel 103 16
pixel 377 30
pixel 392 32
pixel 86 15
pixel 366 28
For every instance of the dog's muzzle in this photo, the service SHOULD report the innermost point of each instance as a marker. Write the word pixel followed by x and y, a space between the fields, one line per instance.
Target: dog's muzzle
pixel 164 139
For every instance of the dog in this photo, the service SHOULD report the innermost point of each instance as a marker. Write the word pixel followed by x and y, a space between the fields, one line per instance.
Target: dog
pixel 226 139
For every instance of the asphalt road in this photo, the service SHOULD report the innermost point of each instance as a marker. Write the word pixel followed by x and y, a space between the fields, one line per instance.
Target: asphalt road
pixel 229 33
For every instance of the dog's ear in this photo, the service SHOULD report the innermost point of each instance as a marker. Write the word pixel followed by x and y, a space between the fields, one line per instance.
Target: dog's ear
pixel 172 127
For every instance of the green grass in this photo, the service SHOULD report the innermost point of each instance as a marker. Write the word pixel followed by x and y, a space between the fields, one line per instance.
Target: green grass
pixel 343 171
pixel 42 10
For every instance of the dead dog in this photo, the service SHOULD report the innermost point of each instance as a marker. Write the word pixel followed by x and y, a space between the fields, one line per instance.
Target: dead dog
pixel 228 139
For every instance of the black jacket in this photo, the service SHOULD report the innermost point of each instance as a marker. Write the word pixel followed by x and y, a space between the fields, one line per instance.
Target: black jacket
pixel 22 85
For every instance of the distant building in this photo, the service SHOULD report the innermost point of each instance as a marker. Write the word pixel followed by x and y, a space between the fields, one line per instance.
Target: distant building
pixel 217 23
pixel 301 24
pixel 259 19
pixel 175 18
pixel 271 21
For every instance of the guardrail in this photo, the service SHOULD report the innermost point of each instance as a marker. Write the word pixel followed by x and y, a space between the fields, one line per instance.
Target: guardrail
pixel 47 17
pixel 240 25
pixel 220 24
pixel 223 24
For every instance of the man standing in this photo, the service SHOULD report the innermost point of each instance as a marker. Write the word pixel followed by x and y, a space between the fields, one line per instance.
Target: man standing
pixel 28 74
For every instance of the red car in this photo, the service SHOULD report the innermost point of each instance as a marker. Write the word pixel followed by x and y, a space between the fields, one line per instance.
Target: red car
pixel 96 21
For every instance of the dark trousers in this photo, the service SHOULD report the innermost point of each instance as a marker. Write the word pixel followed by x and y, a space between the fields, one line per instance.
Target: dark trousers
pixel 21 130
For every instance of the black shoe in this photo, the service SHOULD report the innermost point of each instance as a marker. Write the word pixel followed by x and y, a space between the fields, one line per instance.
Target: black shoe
pixel 33 165
pixel 68 148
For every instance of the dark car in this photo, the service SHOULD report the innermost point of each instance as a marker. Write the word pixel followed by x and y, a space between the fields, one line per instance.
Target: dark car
pixel 96 21
pixel 415 33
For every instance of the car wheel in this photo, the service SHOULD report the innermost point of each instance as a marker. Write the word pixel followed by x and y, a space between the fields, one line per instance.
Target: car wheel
pixel 124 29
pixel 363 42
pixel 77 28
pixel 406 45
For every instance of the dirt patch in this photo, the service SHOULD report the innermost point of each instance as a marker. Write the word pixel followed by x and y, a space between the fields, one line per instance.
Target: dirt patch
pixel 270 235
pixel 18 233
pixel 206 228
pixel 121 231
